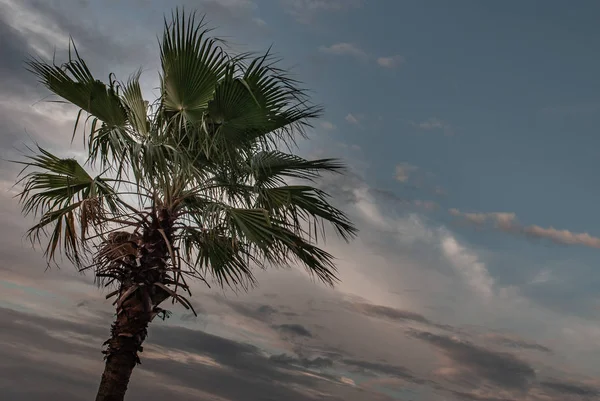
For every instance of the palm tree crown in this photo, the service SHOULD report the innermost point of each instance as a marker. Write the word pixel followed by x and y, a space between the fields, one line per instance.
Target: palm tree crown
pixel 206 155
pixel 199 183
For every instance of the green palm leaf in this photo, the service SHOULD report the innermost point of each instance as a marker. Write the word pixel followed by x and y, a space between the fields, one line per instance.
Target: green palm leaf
pixel 67 198
pixel 273 167
pixel 136 106
pixel 192 65
pixel 109 138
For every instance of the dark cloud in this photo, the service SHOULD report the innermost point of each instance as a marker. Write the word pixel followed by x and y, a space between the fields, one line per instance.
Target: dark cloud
pixel 266 310
pixel 239 383
pixel 521 344
pixel 13 53
pixel 500 368
pixel 20 326
pixel 100 49
pixel 262 313
pixel 15 80
pixel 294 329
pixel 391 313
pixel 317 362
pixel 363 367
pixel 462 396
pixel 397 315
pixel 51 353
pixel 379 368
pixel 566 388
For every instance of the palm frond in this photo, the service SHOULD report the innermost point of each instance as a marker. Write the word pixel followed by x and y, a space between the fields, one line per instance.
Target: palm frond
pixel 258 236
pixel 259 105
pixel 209 252
pixel 136 106
pixel 272 167
pixel 305 206
pixel 192 65
pixel 67 199
pixel 74 82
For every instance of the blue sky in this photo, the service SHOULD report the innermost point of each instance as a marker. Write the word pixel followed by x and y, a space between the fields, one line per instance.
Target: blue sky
pixel 470 131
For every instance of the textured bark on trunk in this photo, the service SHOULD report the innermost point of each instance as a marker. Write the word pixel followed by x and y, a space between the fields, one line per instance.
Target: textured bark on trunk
pixel 138 303
pixel 127 335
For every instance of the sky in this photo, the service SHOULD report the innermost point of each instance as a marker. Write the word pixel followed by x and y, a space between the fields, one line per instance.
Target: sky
pixel 469 129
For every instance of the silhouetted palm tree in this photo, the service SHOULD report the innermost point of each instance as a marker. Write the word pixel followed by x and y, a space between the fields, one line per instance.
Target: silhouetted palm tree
pixel 196 184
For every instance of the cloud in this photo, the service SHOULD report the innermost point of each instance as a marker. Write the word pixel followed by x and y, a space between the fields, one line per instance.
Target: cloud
pixel 508 222
pixel 566 388
pixel 62 354
pixel 318 362
pixel 42 33
pixel 351 119
pixel 344 49
pixel 390 313
pixel 305 11
pixel 425 204
pixel 295 329
pixel 518 343
pixel 475 364
pixel 328 126
pixel 263 313
pixel 468 265
pixel 404 171
pixel 433 124
pixel 379 368
pixel 397 315
pixel 352 50
pixel 391 61
pixel 240 12
pixel 564 237
pixel 386 196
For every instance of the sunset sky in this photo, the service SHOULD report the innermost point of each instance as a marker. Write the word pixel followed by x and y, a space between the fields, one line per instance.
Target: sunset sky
pixel 471 133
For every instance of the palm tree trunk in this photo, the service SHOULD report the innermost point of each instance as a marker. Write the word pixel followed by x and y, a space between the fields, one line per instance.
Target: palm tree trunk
pixel 137 305
pixel 127 335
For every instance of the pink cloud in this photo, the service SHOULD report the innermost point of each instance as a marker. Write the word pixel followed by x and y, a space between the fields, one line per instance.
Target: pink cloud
pixel 508 222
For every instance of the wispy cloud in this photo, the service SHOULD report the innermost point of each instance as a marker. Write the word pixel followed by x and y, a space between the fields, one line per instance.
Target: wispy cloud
pixel 344 49
pixel 432 124
pixel 478 365
pixel 328 126
pixel 352 119
pixel 425 204
pixel 404 171
pixel 391 61
pixel 508 222
pixel 468 265
pixel 305 11
pixel 502 219
pixel 353 50
pixel 564 388
pixel 42 33
pixel 517 343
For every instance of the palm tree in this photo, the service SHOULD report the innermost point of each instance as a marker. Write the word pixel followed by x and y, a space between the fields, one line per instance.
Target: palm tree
pixel 199 184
